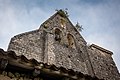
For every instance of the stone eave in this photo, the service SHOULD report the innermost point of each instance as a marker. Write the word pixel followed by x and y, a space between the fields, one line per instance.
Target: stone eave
pixel 101 49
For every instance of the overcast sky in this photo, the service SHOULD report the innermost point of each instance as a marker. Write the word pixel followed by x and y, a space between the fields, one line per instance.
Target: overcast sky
pixel 100 20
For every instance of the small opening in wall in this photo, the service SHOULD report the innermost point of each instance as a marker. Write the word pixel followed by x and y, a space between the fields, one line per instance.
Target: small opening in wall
pixel 58 35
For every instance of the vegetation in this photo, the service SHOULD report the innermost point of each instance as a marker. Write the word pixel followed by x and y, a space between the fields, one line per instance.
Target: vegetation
pixel 63 13
pixel 79 27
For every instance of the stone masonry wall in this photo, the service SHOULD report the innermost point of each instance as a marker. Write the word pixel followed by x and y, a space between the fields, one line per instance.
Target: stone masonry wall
pixel 41 45
pixel 28 44
pixel 69 58
pixel 59 53
pixel 103 65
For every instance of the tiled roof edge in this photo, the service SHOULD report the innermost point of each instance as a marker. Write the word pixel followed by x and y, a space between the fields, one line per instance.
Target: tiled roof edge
pixel 11 57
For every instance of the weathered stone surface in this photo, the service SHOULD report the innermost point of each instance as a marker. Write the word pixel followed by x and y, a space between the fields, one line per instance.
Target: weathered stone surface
pixel 11 75
pixel 58 42
pixel 17 75
pixel 21 78
pixel 29 45
pixel 41 45
pixel 14 79
pixel 22 75
pixel 103 65
pixel 4 73
pixel 36 78
pixel 2 77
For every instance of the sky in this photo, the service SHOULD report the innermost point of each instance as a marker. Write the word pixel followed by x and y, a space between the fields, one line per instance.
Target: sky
pixel 100 20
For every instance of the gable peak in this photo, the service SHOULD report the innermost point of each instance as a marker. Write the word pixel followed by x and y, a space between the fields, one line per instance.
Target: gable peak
pixel 62 13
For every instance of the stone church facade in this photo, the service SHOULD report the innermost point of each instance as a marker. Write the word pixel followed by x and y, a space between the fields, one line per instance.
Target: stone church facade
pixel 57 42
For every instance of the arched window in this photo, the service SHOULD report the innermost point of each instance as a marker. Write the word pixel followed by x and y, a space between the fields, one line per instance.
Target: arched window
pixel 71 42
pixel 58 34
